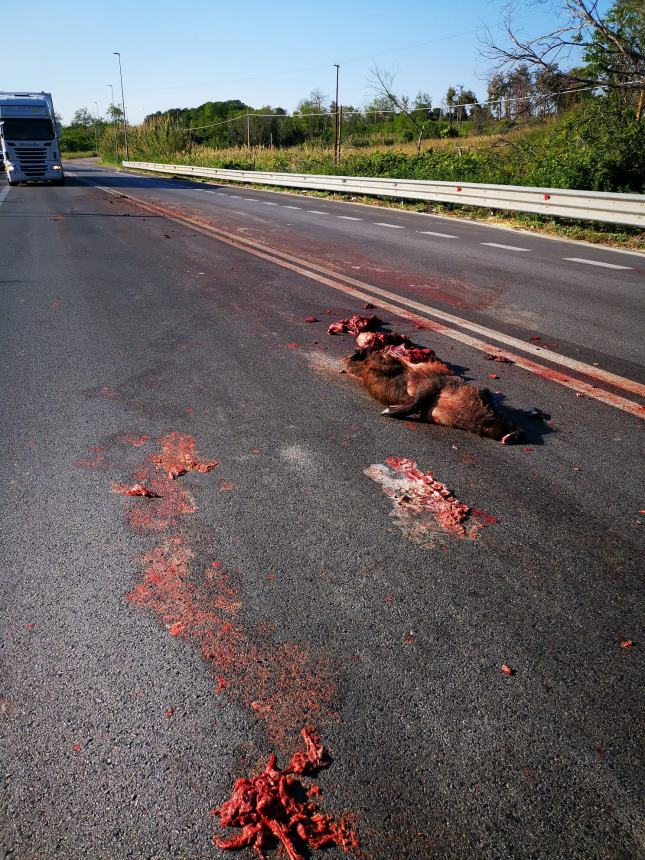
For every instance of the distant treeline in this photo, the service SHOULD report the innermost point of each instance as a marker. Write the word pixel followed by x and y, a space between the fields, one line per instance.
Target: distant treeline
pixel 385 121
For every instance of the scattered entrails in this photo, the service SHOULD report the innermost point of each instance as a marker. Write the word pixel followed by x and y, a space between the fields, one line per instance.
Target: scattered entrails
pixel 423 506
pixel 271 808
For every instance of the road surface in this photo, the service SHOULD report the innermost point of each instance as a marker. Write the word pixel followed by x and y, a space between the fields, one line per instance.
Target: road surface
pixel 157 649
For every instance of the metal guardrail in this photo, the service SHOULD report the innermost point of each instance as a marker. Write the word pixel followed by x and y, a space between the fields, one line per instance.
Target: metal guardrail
pixel 565 203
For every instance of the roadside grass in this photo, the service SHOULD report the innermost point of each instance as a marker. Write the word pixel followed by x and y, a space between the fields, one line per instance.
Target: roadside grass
pixel 84 154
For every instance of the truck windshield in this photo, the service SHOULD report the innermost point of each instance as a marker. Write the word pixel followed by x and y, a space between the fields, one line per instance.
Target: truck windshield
pixel 27 129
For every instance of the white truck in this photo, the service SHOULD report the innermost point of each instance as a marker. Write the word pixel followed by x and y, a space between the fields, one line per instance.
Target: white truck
pixel 29 138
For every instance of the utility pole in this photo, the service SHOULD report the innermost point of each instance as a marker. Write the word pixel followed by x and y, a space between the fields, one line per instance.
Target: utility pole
pixel 96 126
pixel 125 119
pixel 248 131
pixel 116 139
pixel 337 121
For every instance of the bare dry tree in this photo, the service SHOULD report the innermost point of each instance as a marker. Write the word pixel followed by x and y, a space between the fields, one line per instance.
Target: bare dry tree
pixel 382 83
pixel 615 42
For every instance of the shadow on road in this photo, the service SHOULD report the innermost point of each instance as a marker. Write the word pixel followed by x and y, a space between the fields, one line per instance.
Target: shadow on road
pixel 134 180
pixel 64 216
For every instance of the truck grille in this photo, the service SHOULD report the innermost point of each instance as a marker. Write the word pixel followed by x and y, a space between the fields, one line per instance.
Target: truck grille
pixel 32 160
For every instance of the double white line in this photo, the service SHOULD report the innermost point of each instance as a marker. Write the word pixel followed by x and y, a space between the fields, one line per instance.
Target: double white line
pixel 433 318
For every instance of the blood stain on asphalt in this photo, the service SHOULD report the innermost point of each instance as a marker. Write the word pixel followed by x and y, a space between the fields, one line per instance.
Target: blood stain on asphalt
pixel 295 684
pixel 178 456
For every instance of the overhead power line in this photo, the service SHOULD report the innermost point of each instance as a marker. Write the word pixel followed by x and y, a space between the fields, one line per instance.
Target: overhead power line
pixel 443 107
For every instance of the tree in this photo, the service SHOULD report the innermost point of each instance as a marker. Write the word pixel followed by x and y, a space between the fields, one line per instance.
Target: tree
pixel 422 100
pixel 496 92
pixel 115 113
pixel 612 45
pixel 520 91
pixel 383 85
pixel 617 50
pixel 458 100
pixel 316 103
pixel 315 110
pixel 83 118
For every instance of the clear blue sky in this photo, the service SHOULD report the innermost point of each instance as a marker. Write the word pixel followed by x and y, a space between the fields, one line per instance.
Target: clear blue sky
pixel 181 54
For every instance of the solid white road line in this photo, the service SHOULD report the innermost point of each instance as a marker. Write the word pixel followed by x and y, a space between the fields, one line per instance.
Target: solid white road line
pixel 3 194
pixel 319 273
pixel 505 247
pixel 349 218
pixel 393 226
pixel 594 263
pixel 441 235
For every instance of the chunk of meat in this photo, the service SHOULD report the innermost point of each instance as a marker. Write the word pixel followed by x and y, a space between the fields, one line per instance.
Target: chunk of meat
pixel 355 325
pixel 411 353
pixel 501 358
pixel 135 490
pixel 380 339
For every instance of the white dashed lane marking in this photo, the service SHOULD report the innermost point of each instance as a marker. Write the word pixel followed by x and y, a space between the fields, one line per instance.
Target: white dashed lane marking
pixel 5 191
pixel 594 263
pixel 505 247
pixel 440 235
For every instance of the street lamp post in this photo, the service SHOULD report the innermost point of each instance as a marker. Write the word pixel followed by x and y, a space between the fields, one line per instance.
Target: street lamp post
pixel 337 122
pixel 96 126
pixel 125 118
pixel 116 139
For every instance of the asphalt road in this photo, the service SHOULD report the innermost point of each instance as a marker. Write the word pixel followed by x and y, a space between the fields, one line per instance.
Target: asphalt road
pixel 140 680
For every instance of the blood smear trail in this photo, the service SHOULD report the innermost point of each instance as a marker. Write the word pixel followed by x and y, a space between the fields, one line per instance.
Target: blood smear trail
pixel 159 514
pixel 282 683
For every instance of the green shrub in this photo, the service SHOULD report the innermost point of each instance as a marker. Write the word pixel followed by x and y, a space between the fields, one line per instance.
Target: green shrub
pixel 598 145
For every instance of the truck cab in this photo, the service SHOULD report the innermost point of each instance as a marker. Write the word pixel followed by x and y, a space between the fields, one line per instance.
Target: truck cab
pixel 29 138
